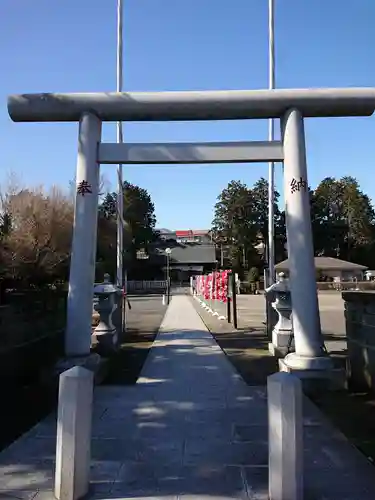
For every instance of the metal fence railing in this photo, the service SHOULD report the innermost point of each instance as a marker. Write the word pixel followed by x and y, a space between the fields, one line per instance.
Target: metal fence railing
pixel 146 286
pixel 345 285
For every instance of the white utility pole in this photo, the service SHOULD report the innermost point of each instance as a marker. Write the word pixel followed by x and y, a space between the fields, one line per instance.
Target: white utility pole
pixel 120 198
pixel 271 136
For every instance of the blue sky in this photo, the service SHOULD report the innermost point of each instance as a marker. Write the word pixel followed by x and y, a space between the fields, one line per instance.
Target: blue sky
pixel 70 46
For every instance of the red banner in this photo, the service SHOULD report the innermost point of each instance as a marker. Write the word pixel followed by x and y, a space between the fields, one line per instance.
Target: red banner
pixel 213 286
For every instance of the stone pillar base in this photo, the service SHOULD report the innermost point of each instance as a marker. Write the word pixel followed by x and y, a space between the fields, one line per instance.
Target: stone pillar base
pixel 296 362
pixel 92 362
pixel 317 374
pixel 282 343
pixel 105 342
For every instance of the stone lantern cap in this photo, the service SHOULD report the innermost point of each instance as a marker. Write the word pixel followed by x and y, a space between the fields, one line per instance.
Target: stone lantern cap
pixel 106 288
pixel 282 285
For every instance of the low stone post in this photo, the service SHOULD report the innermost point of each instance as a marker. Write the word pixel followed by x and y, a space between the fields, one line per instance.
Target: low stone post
pixel 282 333
pixel 106 335
pixel 74 434
pixel 285 439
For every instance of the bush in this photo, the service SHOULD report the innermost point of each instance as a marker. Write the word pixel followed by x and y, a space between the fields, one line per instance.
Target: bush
pixel 253 275
pixel 36 243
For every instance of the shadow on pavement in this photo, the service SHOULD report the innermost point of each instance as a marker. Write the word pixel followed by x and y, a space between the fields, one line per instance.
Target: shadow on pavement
pixel 191 428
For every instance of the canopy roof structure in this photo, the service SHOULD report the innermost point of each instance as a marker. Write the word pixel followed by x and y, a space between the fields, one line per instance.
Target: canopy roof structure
pixel 326 264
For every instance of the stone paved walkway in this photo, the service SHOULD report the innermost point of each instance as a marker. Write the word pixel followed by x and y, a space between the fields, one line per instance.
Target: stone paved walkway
pixel 190 428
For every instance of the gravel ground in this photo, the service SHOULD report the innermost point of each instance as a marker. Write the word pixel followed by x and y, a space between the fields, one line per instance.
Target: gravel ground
pixel 247 347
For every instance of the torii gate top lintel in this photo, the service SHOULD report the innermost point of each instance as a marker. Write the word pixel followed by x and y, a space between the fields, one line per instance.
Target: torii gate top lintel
pixel 192 105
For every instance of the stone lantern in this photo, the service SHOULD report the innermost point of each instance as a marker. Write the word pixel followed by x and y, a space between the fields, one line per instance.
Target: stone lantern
pixel 106 336
pixel 282 333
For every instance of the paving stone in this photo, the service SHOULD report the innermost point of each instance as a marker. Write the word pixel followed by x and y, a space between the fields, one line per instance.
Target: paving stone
pixel 221 481
pixel 104 471
pixel 148 497
pixel 315 437
pixel 330 486
pixel 318 486
pixel 17 495
pixel 245 402
pixel 29 450
pixel 38 477
pixel 255 415
pixel 45 495
pixel 251 433
pixel 211 497
pixel 47 426
pixel 96 492
pixel 137 450
pixel 256 480
pixel 148 479
pixel 199 452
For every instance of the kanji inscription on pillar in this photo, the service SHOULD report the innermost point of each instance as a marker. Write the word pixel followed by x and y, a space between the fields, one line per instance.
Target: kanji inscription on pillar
pixel 84 188
pixel 298 185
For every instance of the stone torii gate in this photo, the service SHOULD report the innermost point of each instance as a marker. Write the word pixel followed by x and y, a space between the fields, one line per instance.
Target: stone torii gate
pixel 290 106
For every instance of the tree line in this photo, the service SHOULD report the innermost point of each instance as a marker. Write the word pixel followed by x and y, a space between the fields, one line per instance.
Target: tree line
pixel 36 231
pixel 36 228
pixel 342 218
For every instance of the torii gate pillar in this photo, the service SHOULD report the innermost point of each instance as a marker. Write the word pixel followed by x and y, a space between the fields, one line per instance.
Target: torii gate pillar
pixel 309 346
pixel 83 256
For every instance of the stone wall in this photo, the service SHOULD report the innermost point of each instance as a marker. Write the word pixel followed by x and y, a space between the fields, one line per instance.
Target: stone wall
pixel 360 331
pixel 32 326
